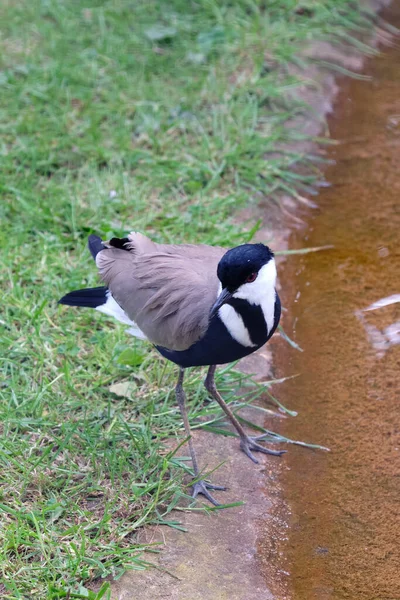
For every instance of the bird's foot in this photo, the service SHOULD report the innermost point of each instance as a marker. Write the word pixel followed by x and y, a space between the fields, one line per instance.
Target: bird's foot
pixel 202 487
pixel 249 443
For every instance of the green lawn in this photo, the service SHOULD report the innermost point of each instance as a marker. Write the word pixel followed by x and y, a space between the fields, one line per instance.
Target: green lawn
pixel 164 117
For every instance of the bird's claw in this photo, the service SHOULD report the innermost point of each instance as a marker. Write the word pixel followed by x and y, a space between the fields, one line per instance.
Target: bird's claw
pixel 248 443
pixel 202 487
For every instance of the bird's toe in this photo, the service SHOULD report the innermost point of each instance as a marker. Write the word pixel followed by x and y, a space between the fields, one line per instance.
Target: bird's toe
pixel 202 487
pixel 248 443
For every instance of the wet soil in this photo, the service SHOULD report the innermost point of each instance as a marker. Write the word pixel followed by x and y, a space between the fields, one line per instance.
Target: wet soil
pixel 344 506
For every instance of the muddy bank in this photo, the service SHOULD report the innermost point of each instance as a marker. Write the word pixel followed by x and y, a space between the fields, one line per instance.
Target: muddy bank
pixel 343 507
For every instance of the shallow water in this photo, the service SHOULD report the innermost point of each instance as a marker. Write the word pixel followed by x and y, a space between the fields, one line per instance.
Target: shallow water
pixel 344 526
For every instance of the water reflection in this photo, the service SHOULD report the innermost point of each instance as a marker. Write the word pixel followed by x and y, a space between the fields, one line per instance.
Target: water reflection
pixel 381 339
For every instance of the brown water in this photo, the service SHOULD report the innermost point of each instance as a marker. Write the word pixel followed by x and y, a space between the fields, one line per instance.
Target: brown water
pixel 344 534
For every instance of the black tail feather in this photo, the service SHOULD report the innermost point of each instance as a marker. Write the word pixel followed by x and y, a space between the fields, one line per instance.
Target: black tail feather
pixel 120 243
pixel 90 297
pixel 95 245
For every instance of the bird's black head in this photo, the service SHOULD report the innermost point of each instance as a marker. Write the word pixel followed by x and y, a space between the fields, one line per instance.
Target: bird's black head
pixel 238 272
pixel 241 265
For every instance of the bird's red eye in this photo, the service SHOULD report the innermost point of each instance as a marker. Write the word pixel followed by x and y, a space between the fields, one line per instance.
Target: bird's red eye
pixel 252 277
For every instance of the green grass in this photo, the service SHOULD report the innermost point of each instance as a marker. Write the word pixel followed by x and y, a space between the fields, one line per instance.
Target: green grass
pixel 164 117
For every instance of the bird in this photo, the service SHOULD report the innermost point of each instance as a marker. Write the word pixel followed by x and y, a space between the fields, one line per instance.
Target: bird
pixel 199 305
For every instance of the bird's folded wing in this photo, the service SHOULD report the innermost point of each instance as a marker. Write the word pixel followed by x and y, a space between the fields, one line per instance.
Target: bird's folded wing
pixel 166 290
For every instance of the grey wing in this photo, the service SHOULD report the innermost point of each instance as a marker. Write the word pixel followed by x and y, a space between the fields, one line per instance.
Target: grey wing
pixel 167 292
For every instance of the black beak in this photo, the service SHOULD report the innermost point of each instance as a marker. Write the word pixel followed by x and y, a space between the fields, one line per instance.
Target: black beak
pixel 224 296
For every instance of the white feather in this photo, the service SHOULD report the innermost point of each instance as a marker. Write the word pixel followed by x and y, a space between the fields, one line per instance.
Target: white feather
pixel 262 292
pixel 235 325
pixel 113 309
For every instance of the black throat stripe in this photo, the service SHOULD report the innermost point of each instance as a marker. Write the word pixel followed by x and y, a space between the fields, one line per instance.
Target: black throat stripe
pixel 253 319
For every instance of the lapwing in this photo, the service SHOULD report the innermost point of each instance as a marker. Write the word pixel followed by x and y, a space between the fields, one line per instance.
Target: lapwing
pixel 198 305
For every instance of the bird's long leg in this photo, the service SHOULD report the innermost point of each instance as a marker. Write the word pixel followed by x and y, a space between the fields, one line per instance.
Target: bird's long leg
pixel 201 486
pixel 247 443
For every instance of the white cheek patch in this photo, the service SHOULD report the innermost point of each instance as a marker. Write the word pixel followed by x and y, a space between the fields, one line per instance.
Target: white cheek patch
pixel 262 292
pixel 113 309
pixel 235 325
